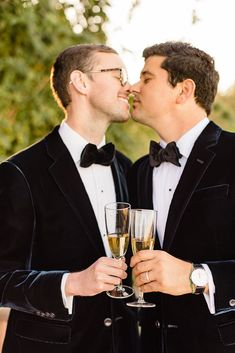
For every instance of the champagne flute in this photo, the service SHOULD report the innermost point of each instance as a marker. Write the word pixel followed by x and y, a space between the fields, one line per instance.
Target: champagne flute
pixel 143 229
pixel 117 221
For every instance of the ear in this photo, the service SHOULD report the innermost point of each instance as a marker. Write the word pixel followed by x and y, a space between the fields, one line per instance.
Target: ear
pixel 186 91
pixel 78 80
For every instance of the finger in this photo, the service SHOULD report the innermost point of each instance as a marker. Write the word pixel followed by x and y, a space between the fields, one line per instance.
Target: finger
pixel 113 271
pixel 107 261
pixel 105 280
pixel 143 278
pixel 111 280
pixel 109 287
pixel 144 266
pixel 143 255
pixel 118 263
pixel 103 287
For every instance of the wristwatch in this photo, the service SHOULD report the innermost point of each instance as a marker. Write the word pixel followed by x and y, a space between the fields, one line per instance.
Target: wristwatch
pixel 198 279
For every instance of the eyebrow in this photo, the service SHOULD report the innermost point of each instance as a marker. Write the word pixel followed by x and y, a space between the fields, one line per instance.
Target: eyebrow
pixel 146 72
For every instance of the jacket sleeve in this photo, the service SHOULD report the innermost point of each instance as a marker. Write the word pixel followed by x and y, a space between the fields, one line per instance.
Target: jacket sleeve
pixel 21 287
pixel 223 276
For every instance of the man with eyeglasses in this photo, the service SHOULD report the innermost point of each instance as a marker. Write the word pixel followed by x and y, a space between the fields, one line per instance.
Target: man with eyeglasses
pixel 55 260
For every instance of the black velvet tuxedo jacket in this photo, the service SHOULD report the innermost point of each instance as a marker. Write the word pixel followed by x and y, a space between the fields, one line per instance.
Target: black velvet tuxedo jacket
pixel 200 228
pixel 48 228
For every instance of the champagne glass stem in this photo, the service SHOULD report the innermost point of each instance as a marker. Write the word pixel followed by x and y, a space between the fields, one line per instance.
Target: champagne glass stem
pixel 140 296
pixel 119 287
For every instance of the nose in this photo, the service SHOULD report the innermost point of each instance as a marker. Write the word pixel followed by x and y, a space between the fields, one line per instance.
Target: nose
pixel 127 86
pixel 135 87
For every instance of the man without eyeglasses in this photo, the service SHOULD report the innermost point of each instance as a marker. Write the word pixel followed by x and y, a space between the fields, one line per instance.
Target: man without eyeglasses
pixel 189 178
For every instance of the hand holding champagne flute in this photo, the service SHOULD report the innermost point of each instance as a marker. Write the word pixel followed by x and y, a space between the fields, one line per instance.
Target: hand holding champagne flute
pixel 117 221
pixel 143 229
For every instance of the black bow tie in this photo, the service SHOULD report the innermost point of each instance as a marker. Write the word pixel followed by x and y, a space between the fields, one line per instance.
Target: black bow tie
pixel 170 153
pixel 92 155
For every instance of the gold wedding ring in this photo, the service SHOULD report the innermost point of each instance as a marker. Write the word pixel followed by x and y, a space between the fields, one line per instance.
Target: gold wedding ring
pixel 147 276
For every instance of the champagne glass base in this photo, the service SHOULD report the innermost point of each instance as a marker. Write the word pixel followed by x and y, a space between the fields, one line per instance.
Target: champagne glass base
pixel 120 293
pixel 139 304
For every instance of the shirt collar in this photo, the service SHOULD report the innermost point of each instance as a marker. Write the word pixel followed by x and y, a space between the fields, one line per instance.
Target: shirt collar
pixel 186 141
pixel 74 142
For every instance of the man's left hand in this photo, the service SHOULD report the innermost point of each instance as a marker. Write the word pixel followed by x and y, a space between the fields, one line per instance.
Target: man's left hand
pixel 158 271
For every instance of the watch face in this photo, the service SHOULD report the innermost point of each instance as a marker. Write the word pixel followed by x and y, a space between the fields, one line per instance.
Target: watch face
pixel 199 277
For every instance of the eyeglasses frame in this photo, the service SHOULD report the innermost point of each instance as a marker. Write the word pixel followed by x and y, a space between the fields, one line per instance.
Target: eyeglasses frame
pixel 122 71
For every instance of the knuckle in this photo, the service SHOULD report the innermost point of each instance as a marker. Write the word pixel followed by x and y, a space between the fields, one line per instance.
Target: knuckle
pixel 100 286
pixel 120 274
pixel 124 266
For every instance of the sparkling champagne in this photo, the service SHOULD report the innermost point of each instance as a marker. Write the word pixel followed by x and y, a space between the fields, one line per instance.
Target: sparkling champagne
pixel 118 244
pixel 145 244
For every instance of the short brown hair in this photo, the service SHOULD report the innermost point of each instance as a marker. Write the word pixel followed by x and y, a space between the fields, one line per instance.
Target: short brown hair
pixel 77 57
pixel 185 61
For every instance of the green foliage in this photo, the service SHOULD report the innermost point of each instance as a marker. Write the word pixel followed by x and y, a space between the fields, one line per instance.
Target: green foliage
pixel 223 112
pixel 32 34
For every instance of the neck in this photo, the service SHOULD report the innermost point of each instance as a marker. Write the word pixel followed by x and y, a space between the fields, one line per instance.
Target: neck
pixel 86 126
pixel 174 128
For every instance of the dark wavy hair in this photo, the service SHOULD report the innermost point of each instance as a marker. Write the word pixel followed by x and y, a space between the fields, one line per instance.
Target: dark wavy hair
pixel 183 61
pixel 78 57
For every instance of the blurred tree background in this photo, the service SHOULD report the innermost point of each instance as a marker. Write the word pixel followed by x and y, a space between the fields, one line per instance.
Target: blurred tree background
pixel 32 34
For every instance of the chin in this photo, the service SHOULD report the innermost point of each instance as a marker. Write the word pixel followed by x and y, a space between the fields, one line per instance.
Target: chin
pixel 135 117
pixel 121 119
pixel 125 119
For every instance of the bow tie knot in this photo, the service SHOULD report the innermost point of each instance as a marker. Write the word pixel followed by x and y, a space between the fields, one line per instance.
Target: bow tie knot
pixel 92 155
pixel 170 153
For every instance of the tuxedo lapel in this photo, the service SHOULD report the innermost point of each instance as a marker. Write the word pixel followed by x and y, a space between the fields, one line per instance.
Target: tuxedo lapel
pixel 199 160
pixel 119 182
pixel 144 185
pixel 67 178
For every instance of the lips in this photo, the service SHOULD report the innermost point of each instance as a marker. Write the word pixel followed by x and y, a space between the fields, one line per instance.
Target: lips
pixel 135 97
pixel 135 103
pixel 125 100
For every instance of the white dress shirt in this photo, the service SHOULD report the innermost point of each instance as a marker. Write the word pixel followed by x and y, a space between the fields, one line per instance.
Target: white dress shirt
pixel 165 181
pixel 99 185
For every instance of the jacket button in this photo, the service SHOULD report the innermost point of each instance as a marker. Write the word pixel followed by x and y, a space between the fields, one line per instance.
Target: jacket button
pixel 232 302
pixel 157 324
pixel 107 322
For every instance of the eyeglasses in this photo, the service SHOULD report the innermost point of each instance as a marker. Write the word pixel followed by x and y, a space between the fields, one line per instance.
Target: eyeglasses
pixel 123 77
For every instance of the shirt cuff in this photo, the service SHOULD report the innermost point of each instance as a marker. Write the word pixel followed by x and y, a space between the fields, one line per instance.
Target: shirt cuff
pixel 67 300
pixel 210 299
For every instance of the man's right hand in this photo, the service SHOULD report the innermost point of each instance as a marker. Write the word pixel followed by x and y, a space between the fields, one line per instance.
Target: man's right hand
pixel 103 275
